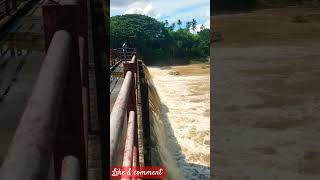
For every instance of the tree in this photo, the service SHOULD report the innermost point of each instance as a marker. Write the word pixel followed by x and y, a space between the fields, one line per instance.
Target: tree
pixel 156 42
pixel 179 23
pixel 143 32
pixel 204 38
pixel 202 27
pixel 166 23
pixel 188 25
pixel 194 25
pixel 173 25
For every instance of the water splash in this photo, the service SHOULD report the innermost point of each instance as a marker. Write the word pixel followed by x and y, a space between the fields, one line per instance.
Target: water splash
pixel 179 119
pixel 159 151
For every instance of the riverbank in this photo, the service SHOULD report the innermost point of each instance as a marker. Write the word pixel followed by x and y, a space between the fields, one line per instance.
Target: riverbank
pixel 268 27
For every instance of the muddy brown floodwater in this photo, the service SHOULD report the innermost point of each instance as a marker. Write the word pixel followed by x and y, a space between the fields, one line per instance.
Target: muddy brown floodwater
pixel 267 103
pixel 184 118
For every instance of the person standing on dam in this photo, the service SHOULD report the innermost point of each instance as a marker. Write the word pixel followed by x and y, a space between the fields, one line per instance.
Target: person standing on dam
pixel 124 49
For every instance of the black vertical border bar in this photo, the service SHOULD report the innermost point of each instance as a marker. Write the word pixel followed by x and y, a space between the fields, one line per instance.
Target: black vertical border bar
pixel 101 53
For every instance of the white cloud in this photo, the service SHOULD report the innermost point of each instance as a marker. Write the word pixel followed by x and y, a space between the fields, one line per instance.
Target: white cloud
pixel 170 10
pixel 142 7
pixel 121 3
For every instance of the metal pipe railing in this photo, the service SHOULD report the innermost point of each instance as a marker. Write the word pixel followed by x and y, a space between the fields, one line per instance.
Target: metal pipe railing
pixel 70 169
pixel 70 15
pixel 121 54
pixel 134 159
pixel 128 150
pixel 132 59
pixel 30 151
pixel 85 84
pixel 125 106
pixel 118 114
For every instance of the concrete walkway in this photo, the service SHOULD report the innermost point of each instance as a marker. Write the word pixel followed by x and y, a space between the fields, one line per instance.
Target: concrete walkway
pixel 19 68
pixel 115 86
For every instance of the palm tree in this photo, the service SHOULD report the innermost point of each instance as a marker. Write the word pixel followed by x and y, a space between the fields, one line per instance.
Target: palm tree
pixel 194 25
pixel 179 23
pixel 173 25
pixel 188 25
pixel 166 23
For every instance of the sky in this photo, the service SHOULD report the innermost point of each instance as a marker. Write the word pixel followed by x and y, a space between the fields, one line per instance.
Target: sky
pixel 162 10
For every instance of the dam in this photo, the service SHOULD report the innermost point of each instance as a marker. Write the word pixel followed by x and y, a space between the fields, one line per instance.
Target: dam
pixel 62 130
pixel 184 117
pixel 178 106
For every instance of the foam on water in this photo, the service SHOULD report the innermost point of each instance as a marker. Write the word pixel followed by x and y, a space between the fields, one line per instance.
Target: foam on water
pixel 181 120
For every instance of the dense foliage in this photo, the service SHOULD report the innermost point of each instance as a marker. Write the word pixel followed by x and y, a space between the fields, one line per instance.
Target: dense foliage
pixel 159 42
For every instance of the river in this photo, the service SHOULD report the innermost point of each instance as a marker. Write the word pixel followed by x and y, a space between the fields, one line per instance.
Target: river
pixel 180 107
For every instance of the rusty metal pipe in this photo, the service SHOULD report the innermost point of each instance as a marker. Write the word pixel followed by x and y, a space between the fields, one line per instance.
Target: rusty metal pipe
pixel 85 93
pixel 118 114
pixel 134 159
pixel 70 169
pixel 30 151
pixel 128 150
pixel 133 59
